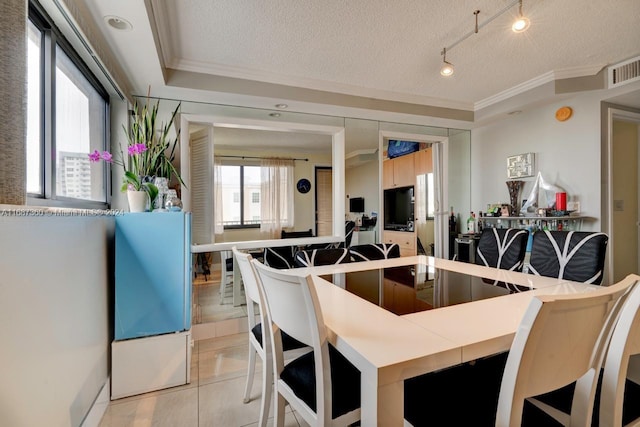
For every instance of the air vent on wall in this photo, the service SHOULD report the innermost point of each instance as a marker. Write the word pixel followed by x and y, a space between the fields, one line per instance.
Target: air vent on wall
pixel 624 72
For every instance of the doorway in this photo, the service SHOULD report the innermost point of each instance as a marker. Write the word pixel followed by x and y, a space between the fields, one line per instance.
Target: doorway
pixel 624 197
pixel 430 191
pixel 324 200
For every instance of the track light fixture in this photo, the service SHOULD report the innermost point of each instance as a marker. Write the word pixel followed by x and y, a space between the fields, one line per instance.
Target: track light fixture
pixel 522 23
pixel 447 67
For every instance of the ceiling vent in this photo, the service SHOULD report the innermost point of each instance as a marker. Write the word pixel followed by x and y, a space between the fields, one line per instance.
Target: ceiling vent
pixel 624 72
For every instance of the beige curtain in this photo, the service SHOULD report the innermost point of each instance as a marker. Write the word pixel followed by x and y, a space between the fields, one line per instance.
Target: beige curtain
pixel 218 227
pixel 276 197
pixel 440 212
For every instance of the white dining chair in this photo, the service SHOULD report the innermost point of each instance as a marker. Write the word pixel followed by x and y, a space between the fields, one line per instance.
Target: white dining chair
pixel 322 386
pixel 624 342
pixel 226 274
pixel 560 339
pixel 259 339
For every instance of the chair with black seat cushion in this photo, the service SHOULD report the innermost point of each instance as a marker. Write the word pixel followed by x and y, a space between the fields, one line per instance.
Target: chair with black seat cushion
pixel 310 258
pixel 258 336
pixel 322 386
pixel 226 274
pixel 279 257
pixel 617 398
pixel 349 228
pixel 570 255
pixel 502 248
pixel 561 339
pixel 375 251
pixel 620 395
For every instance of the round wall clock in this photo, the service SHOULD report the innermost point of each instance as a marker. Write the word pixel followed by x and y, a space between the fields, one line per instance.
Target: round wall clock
pixel 563 113
pixel 303 185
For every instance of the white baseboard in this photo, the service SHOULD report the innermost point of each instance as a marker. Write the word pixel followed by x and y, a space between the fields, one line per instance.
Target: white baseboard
pixel 99 406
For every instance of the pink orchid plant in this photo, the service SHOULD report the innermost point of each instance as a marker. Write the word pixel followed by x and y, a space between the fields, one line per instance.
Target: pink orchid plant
pixel 150 152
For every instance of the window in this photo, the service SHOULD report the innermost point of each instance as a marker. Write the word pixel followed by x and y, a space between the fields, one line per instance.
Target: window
pixel 67 118
pixel 430 197
pixel 240 196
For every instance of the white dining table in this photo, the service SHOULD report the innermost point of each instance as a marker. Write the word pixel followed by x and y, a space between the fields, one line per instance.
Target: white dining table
pixel 387 348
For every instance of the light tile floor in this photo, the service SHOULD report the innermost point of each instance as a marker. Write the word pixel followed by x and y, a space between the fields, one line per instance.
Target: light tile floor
pixel 213 398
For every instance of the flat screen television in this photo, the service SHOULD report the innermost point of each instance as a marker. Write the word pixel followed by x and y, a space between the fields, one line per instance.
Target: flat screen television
pixel 398 208
pixel 356 204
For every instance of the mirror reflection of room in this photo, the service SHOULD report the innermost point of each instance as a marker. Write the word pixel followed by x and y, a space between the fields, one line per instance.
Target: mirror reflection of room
pixel 364 154
pixel 267 184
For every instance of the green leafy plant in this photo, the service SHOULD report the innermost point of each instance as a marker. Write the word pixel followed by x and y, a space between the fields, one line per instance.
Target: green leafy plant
pixel 150 152
pixel 158 159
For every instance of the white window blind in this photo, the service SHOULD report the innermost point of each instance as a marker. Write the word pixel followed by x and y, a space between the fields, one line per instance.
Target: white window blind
pixel 201 189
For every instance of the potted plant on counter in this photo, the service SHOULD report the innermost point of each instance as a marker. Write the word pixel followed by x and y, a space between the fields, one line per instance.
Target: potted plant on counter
pixel 150 155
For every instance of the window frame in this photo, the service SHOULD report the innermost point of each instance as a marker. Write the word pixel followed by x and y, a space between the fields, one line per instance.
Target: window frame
pixel 242 225
pixel 52 37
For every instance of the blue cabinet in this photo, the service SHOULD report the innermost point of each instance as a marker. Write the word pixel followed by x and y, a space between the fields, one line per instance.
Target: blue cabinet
pixel 152 274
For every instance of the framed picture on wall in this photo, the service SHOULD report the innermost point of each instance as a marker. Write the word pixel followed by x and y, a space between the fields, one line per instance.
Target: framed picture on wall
pixel 521 166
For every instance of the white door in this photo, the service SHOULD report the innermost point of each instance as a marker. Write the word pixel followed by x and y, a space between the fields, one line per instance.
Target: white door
pixel 324 201
pixel 625 189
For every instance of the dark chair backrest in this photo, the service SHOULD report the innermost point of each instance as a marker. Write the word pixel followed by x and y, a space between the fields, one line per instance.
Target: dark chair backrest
pixel 309 258
pixel 374 251
pixel 570 255
pixel 349 226
pixel 502 248
pixel 279 257
pixel 295 234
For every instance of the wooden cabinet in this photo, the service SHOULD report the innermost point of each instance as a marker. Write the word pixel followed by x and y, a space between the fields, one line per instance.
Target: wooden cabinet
pixel 405 239
pixel 423 162
pixel 399 172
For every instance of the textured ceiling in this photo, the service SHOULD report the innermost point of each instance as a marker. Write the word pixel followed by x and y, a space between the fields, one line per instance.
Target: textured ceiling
pixel 376 48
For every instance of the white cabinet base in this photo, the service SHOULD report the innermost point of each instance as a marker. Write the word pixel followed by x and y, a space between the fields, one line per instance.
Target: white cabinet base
pixel 152 363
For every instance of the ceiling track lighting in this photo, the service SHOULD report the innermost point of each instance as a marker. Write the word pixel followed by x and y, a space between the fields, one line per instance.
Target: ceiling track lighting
pixel 520 25
pixel 447 67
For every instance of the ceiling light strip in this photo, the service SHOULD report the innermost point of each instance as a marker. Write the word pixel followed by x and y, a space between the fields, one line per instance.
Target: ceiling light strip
pixel 483 24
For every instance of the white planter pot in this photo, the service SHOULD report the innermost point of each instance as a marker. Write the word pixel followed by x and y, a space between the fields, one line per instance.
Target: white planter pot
pixel 138 200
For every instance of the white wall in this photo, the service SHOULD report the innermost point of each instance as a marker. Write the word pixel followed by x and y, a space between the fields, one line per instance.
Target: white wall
pixel 55 316
pixel 362 181
pixel 567 154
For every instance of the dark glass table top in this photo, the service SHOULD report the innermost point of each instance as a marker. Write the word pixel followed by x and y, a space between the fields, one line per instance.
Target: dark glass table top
pixel 413 288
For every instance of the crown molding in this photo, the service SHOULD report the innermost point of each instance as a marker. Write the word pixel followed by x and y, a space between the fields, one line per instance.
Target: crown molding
pixel 308 83
pixel 565 73
pixel 160 19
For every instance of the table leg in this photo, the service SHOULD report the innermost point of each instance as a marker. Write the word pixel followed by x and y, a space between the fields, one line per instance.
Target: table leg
pixel 382 405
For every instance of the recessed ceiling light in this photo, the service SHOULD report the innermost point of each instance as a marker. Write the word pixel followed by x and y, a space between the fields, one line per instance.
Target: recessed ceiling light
pixel 282 106
pixel 274 114
pixel 118 23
